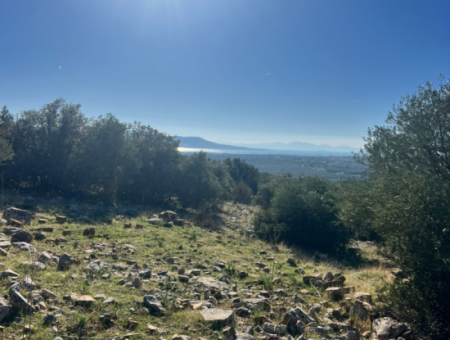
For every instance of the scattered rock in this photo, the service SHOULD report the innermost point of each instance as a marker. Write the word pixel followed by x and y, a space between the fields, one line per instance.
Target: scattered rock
pixel 218 317
pixel 272 329
pixel 21 236
pixel 387 328
pixel 85 300
pixel 61 219
pixel 17 214
pixel 154 306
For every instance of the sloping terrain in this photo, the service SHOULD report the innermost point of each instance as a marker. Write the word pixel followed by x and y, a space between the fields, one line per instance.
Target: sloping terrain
pixel 168 281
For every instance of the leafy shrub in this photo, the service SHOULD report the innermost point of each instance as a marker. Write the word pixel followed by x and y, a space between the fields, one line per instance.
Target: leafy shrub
pixel 302 212
pixel 406 198
pixel 242 193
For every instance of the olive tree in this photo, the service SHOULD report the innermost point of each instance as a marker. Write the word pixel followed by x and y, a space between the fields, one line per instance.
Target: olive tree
pixel 407 198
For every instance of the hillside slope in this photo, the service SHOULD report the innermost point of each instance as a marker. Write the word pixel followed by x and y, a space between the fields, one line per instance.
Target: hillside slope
pixel 192 270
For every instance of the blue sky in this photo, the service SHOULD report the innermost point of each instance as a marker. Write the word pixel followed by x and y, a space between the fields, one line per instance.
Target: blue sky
pixel 318 71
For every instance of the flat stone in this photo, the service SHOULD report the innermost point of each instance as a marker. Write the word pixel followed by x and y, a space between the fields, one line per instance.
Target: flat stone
pixel 211 283
pixel 5 244
pixel 363 297
pixel 219 316
pixel 243 336
pixel 9 273
pixel 36 265
pixel 85 300
pixel 24 246
pixel 46 294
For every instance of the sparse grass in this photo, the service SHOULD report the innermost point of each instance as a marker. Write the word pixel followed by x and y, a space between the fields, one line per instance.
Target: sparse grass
pixel 153 244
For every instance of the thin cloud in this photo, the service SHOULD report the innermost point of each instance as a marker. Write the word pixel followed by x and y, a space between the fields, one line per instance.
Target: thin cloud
pixel 60 67
pixel 268 74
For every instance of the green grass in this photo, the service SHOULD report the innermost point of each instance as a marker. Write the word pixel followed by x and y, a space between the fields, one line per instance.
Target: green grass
pixel 153 244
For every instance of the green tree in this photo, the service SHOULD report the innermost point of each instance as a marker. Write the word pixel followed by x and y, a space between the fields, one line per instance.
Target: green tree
pixel 43 142
pixel 150 165
pixel 6 150
pixel 302 212
pixel 96 163
pixel 267 187
pixel 198 187
pixel 407 194
pixel 241 171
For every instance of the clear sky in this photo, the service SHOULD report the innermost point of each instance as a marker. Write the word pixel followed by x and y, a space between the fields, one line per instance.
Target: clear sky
pixel 318 71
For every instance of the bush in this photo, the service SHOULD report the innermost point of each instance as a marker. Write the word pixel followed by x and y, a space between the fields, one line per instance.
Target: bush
pixel 267 187
pixel 242 193
pixel 302 213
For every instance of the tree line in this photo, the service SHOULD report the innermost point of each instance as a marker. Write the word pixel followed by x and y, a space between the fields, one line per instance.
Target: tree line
pixel 58 151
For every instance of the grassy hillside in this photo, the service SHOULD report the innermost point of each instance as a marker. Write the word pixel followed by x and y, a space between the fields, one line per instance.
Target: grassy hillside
pixel 171 249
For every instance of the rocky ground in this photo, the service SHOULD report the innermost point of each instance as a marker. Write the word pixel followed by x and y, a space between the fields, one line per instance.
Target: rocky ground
pixel 144 278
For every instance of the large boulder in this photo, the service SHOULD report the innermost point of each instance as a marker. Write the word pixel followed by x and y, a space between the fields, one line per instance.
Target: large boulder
pixel 387 328
pixel 22 216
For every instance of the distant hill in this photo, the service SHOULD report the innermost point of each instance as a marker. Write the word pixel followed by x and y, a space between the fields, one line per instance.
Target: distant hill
pixel 283 148
pixel 200 143
pixel 301 146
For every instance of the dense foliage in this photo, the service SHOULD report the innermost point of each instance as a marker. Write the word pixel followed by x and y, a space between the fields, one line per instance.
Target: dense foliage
pixel 60 152
pixel 405 201
pixel 302 212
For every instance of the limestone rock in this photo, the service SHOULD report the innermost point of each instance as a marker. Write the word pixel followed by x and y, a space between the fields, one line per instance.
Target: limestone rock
pixel 387 328
pixel 218 317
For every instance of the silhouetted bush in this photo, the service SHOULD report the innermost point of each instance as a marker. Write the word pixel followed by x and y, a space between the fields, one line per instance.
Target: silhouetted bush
pixel 302 213
pixel 242 193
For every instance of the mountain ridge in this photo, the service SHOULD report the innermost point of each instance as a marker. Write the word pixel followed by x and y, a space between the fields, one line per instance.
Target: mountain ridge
pixel 201 143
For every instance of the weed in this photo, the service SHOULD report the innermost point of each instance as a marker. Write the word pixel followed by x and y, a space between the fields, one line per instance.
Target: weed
pixel 230 269
pixel 194 236
pixel 85 288
pixel 256 313
pixel 82 320
pixel 266 282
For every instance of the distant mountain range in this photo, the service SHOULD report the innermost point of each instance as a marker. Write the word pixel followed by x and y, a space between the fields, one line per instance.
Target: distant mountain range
pixel 200 143
pixel 285 148
pixel 300 146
